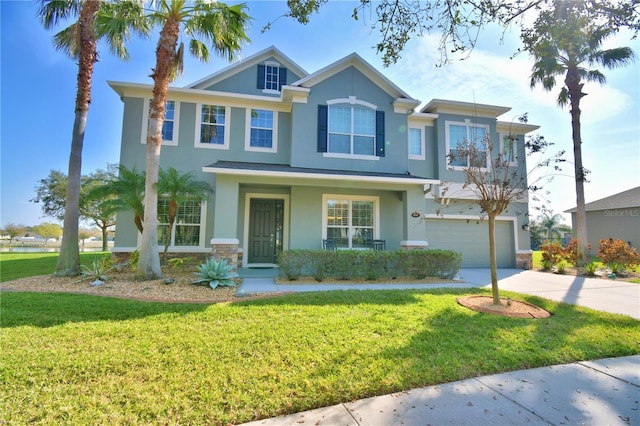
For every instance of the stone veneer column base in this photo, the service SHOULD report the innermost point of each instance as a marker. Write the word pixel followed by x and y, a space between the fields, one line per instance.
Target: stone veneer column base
pixel 226 248
pixel 524 260
pixel 414 245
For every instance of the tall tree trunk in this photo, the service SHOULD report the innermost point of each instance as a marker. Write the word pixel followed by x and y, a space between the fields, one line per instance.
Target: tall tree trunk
pixel 173 212
pixel 105 243
pixel 574 87
pixel 69 258
pixel 149 263
pixel 495 291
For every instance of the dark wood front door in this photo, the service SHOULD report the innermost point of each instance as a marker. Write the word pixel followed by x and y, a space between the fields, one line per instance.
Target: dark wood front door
pixel 265 230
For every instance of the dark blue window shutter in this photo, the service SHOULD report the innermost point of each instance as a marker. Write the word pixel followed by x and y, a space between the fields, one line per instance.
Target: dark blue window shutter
pixel 323 115
pixel 380 133
pixel 282 78
pixel 261 71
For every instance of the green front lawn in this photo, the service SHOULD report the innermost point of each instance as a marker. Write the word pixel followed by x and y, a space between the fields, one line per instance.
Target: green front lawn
pixel 76 359
pixel 16 265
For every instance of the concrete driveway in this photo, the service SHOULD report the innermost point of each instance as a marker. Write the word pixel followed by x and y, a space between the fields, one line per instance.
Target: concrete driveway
pixel 613 296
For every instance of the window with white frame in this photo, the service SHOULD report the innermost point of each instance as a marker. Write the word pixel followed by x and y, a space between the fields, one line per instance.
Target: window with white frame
pixel 188 227
pixel 508 149
pixel 352 130
pixel 211 129
pixel 261 134
pixel 416 144
pixel 271 77
pixel 169 126
pixel 352 221
pixel 461 133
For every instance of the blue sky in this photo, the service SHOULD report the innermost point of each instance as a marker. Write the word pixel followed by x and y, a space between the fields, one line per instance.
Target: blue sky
pixel 38 86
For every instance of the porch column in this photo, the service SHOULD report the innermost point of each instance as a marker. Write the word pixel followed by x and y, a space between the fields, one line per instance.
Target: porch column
pixel 224 244
pixel 414 233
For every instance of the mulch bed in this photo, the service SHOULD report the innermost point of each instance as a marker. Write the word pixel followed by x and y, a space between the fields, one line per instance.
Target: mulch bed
pixel 507 308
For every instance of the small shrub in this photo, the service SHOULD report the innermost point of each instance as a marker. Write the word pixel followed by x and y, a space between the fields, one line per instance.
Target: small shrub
pixel 178 262
pixel 561 268
pixel 590 269
pixel 547 265
pixel 132 262
pixel 345 266
pixel 552 254
pixel 319 261
pixel 373 264
pixel 618 254
pixel 616 267
pixel 215 274
pixel 98 269
pixel 571 252
pixel 291 263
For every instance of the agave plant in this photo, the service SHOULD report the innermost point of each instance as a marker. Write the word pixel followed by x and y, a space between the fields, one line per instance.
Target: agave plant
pixel 215 273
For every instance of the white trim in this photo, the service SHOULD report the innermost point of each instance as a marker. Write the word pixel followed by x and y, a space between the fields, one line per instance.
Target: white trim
pixel 352 100
pixel 379 179
pixel 422 155
pixel 350 198
pixel 176 122
pixel 350 156
pixel 224 241
pixel 464 108
pixel 247 132
pixel 245 234
pixel 227 128
pixel 414 243
pixel 512 219
pixel 468 124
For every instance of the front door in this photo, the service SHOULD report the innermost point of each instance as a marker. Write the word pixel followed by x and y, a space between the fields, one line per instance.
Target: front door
pixel 266 221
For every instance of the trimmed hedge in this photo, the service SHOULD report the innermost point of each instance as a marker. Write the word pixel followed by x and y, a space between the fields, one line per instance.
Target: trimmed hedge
pixel 369 264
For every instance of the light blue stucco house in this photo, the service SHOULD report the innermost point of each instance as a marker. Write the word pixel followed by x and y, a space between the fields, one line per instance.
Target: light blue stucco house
pixel 296 158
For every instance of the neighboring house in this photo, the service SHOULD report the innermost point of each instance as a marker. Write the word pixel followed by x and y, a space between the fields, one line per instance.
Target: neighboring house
pixel 617 217
pixel 297 158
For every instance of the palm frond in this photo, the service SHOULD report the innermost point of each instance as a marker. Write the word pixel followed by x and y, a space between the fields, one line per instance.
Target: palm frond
pixel 51 12
pixel 117 21
pixel 68 40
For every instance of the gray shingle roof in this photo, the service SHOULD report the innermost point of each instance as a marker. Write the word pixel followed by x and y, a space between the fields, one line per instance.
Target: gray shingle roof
pixel 623 200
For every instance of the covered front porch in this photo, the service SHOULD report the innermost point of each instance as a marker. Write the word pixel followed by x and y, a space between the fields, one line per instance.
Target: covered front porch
pixel 266 209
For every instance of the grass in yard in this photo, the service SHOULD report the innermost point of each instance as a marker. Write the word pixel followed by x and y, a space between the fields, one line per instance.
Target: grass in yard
pixel 16 265
pixel 78 359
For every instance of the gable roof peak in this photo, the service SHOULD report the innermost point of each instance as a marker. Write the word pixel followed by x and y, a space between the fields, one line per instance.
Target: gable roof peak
pixel 358 62
pixel 245 63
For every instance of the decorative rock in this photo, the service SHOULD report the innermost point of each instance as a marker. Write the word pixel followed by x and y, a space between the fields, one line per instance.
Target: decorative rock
pixel 168 281
pixel 97 283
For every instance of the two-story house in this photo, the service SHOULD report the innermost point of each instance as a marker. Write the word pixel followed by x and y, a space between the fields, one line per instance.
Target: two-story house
pixel 341 154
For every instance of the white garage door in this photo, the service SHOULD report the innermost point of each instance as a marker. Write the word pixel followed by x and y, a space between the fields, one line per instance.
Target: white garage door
pixel 472 240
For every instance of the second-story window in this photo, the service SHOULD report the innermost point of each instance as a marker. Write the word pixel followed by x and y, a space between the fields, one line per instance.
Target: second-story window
pixel 169 126
pixel 261 130
pixel 416 144
pixel 211 131
pixel 467 133
pixel 352 130
pixel 271 77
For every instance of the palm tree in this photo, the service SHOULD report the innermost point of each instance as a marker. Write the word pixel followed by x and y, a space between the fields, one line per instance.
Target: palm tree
pixel 565 41
pixel 215 22
pixel 122 192
pixel 79 41
pixel 552 226
pixel 178 188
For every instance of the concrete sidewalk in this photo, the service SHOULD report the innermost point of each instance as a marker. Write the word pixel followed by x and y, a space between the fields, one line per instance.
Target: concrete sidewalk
pixel 602 392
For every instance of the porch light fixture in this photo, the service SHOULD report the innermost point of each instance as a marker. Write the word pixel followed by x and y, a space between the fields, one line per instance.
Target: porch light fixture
pixel 525 227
